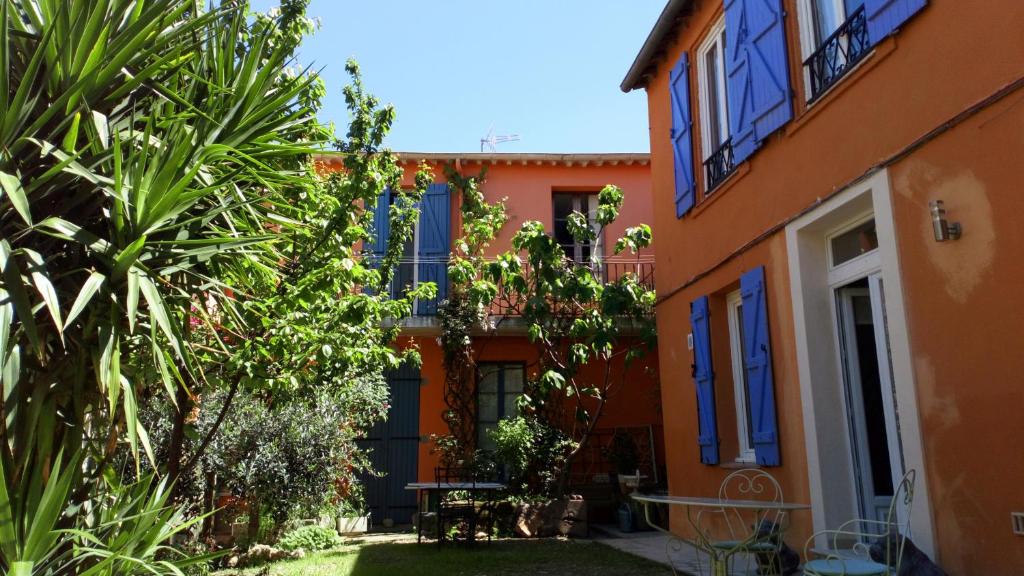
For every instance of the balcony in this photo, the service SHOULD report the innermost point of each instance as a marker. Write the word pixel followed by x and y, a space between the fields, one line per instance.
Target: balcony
pixel 643 270
pixel 838 54
pixel 718 166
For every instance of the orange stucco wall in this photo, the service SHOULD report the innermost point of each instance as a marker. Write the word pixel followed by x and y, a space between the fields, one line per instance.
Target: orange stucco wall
pixel 966 328
pixel 637 403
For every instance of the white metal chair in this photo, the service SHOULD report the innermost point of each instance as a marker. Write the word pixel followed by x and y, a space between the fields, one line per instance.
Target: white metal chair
pixel 754 534
pixel 850 544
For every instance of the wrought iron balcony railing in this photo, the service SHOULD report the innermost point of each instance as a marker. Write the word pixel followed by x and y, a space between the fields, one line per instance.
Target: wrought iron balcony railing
pixel 718 166
pixel 838 53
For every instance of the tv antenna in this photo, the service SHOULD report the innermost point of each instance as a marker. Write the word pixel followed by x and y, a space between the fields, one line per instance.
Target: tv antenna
pixel 491 141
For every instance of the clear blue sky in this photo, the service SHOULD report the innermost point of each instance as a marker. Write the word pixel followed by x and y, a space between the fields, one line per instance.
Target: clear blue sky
pixel 548 70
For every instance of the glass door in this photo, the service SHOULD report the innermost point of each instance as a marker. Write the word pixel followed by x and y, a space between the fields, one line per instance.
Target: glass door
pixel 871 407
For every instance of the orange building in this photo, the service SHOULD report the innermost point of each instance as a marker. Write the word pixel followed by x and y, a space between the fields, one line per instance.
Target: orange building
pixel 836 191
pixel 540 187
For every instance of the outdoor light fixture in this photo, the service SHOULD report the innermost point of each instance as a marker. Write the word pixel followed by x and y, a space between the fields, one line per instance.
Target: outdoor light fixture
pixel 943 230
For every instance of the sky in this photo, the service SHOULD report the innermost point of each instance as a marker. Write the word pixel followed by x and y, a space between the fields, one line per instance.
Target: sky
pixel 456 70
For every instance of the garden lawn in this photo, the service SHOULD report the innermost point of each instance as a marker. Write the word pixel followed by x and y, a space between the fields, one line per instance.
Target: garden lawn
pixel 500 558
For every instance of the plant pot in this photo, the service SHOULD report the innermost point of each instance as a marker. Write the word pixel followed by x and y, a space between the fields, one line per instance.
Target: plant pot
pixel 353 524
pixel 627 523
pixel 562 517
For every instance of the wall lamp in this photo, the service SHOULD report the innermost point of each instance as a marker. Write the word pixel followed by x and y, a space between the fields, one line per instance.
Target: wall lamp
pixel 943 230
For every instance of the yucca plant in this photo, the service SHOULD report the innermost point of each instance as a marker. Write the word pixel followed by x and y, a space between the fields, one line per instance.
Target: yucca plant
pixel 155 185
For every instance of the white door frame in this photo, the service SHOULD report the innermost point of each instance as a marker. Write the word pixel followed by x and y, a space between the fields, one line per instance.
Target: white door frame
pixel 826 435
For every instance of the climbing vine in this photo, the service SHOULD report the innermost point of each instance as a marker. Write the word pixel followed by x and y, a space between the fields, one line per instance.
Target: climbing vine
pixel 466 310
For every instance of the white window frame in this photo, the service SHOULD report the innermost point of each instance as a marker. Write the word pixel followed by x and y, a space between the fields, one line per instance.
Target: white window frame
pixel 714 39
pixel 733 301
pixel 809 41
pixel 854 267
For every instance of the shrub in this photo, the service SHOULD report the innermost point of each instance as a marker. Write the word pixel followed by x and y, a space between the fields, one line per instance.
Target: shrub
pixel 310 539
pixel 530 452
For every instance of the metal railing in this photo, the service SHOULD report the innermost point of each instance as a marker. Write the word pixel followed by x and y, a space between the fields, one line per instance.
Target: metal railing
pixel 718 166
pixel 838 53
pixel 506 304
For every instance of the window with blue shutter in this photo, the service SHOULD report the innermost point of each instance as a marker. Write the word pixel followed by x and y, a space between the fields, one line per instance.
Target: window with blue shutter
pixel 704 380
pixel 758 367
pixel 434 242
pixel 682 135
pixel 757 73
pixel 885 16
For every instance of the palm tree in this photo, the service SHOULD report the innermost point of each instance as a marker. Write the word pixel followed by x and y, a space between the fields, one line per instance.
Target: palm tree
pixel 146 146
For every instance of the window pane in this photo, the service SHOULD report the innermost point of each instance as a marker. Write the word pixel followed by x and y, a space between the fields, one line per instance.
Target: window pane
pixel 714 122
pixel 853 243
pixel 743 377
pixel 826 18
pixel 562 235
pixel 563 205
pixel 514 378
pixel 487 408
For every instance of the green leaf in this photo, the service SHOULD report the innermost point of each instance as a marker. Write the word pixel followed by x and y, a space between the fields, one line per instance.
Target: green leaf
pixel 88 290
pixel 19 296
pixel 158 311
pixel 45 288
pixel 12 187
pixel 127 258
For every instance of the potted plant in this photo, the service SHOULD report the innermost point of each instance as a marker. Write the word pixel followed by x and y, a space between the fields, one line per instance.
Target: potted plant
pixel 353 518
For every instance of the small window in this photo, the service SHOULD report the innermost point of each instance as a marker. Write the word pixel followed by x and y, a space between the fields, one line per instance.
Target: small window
pixel 744 426
pixel 499 386
pixel 834 36
pixel 714 108
pixel 860 239
pixel 563 205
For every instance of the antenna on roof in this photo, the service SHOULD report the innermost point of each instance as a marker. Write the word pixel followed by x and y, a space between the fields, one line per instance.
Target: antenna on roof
pixel 490 142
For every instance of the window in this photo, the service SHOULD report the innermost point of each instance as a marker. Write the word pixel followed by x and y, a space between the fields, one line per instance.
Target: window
pixel 834 35
pixel 714 108
pixel 744 425
pixel 407 274
pixel 499 386
pixel 564 204
pixel 850 244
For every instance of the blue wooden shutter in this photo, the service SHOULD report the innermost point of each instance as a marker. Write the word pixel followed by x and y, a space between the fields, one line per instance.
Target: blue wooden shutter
pixel 758 73
pixel 758 368
pixel 704 379
pixel 432 257
pixel 682 135
pixel 885 16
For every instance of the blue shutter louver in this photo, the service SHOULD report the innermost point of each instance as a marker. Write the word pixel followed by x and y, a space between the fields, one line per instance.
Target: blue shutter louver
pixel 682 135
pixel 434 232
pixel 758 368
pixel 886 16
pixel 758 73
pixel 704 380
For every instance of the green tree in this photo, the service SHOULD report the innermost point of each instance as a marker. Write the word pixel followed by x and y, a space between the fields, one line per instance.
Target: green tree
pixel 163 230
pixel 576 318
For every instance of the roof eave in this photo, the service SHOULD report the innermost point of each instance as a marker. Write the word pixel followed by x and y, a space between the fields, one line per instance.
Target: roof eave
pixel 641 69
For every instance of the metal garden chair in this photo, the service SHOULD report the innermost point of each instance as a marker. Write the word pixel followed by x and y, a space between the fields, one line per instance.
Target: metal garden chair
pixel 458 506
pixel 753 533
pixel 851 544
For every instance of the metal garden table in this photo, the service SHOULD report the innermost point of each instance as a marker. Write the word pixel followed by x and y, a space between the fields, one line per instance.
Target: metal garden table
pixel 718 555
pixel 421 488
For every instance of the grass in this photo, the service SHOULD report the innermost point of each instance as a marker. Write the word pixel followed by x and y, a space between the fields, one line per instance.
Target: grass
pixel 500 558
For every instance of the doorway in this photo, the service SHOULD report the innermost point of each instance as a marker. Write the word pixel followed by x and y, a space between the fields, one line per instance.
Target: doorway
pixel 861 419
pixel 876 455
pixel 393 450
